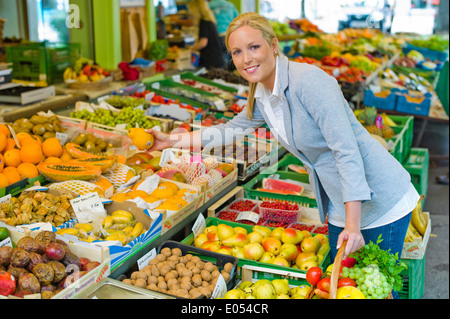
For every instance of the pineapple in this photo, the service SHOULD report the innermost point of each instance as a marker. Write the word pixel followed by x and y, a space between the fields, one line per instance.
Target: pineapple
pixel 388 132
pixel 368 119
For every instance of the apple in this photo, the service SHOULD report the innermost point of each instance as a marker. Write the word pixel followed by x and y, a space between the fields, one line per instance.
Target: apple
pixel 292 236
pixel 272 245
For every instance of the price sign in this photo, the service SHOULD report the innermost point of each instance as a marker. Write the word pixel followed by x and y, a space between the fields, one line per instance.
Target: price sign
pixel 88 207
pixel 251 216
pixel 199 225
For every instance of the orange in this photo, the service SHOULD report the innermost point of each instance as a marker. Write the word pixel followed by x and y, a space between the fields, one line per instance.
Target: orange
pixel 3 181
pixel 5 130
pixel 28 170
pixel 31 153
pixel 2 162
pixel 53 160
pixel 21 136
pixel 10 144
pixel 12 157
pixel 3 141
pixel 12 175
pixel 52 147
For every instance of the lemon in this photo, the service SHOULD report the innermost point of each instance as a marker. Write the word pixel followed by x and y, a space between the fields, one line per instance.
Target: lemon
pixel 140 138
pixel 349 292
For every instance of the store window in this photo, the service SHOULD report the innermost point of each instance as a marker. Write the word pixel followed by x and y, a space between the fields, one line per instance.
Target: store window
pixel 47 20
pixel 279 11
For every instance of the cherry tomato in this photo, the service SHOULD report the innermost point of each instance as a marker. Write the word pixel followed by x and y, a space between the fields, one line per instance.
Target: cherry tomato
pixel 314 275
pixel 346 282
pixel 324 284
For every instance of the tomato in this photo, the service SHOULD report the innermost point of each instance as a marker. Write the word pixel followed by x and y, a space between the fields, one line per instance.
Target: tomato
pixel 314 275
pixel 346 282
pixel 324 284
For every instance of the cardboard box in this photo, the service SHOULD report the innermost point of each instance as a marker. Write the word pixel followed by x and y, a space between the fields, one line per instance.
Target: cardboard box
pixel 118 252
pixel 94 253
pixel 416 250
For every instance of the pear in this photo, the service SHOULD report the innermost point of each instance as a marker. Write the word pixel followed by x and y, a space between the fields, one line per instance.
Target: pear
pixel 238 252
pixel 236 240
pixel 255 237
pixel 245 284
pixel 234 294
pixel 310 245
pixel 280 261
pixel 239 229
pixel 299 292
pixel 272 245
pixel 323 249
pixel 281 286
pixel 288 251
pixel 292 236
pixel 200 239
pixel 253 251
pixel 277 232
pixel 265 231
pixel 282 297
pixel 267 257
pixel 264 290
pixel 224 231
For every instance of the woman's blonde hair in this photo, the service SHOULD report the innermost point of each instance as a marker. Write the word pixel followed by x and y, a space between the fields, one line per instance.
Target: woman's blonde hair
pixel 260 23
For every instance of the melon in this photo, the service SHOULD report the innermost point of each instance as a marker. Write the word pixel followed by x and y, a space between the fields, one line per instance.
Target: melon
pixel 277 185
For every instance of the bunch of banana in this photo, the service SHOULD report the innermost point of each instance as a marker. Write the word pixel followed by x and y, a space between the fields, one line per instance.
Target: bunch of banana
pixel 119 226
pixel 70 74
pixel 418 219
pixel 412 234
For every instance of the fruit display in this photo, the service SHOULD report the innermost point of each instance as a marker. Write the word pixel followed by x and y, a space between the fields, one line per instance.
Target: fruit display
pixel 238 151
pixel 286 247
pixel 267 289
pixel 121 102
pixel 208 88
pixel 227 76
pixel 42 127
pixel 91 143
pixel 40 265
pixel 375 123
pixel 182 275
pixel 119 226
pixel 85 71
pixel 128 115
pixel 208 99
pixel 34 207
pixel 418 223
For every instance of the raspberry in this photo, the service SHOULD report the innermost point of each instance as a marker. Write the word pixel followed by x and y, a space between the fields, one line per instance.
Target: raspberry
pixel 243 205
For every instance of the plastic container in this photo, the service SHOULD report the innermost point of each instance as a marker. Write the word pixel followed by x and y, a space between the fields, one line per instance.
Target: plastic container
pixel 42 61
pixel 279 215
pixel 383 103
pixel 402 141
pixel 417 165
pixel 406 106
pixel 427 53
pixel 413 279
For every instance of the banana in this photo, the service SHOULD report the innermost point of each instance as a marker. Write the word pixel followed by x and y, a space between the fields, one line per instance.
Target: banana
pixel 68 231
pixel 387 120
pixel 107 222
pixel 137 229
pixel 414 231
pixel 417 218
pixel 87 228
pixel 121 216
pixel 67 74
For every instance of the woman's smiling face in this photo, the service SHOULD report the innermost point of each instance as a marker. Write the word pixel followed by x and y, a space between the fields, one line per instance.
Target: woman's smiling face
pixel 253 57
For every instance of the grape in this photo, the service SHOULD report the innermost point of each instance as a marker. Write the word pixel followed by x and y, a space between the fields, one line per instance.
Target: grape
pixel 372 283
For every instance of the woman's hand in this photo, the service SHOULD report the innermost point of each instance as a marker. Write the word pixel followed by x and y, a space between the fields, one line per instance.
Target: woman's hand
pixel 352 230
pixel 161 140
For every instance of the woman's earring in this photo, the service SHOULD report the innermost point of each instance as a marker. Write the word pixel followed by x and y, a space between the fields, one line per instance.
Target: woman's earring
pixel 276 52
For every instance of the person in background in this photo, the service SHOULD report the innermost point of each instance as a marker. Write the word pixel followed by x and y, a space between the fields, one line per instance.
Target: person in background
pixel 225 12
pixel 208 43
pixel 306 111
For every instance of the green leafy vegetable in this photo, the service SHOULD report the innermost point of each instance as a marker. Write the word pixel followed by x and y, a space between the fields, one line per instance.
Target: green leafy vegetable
pixel 388 263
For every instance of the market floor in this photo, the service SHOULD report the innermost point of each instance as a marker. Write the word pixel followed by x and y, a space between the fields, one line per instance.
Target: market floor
pixel 436 286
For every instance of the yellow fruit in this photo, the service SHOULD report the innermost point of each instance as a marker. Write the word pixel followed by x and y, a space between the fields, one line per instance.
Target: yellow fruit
pixel 171 185
pixel 349 292
pixel 163 192
pixel 52 147
pixel 141 139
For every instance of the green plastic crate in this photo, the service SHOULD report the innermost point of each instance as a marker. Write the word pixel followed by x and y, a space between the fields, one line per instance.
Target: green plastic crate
pixel 251 192
pixel 402 140
pixel 413 279
pixel 417 165
pixel 189 240
pixel 191 76
pixel 282 164
pixel 42 61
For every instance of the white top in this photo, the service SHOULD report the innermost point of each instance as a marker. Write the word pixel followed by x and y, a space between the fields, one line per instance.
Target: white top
pixel 272 106
pixel 400 210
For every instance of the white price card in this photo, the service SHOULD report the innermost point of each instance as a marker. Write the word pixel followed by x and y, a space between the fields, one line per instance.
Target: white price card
pixel 156 85
pixel 62 137
pixel 167 156
pixel 220 289
pixel 199 225
pixel 176 78
pixel 220 105
pixel 88 207
pixel 251 216
pixel 144 260
pixel 6 242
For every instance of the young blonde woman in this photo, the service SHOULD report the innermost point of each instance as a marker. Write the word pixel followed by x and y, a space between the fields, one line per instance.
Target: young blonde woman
pixel 362 189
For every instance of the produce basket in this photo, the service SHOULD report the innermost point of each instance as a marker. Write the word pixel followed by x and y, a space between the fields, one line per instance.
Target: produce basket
pixel 413 104
pixel 219 260
pixel 427 53
pixel 91 86
pixel 400 145
pixel 417 165
pixel 189 240
pixel 191 76
pixel 379 100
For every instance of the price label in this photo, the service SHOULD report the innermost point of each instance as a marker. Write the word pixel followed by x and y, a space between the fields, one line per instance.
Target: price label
pixel 176 78
pixel 199 225
pixel 220 105
pixel 167 156
pixel 220 289
pixel 88 208
pixel 144 260
pixel 251 216
pixel 156 85
pixel 62 137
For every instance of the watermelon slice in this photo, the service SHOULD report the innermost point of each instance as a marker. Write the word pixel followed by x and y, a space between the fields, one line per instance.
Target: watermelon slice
pixel 297 169
pixel 280 185
pixel 278 191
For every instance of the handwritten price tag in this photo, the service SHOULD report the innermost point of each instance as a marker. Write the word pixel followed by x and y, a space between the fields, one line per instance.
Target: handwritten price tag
pixel 88 207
